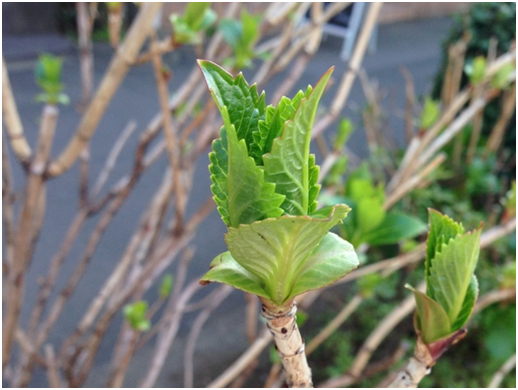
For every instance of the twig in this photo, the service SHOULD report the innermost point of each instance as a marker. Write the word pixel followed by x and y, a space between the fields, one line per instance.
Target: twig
pixel 171 138
pixel 410 102
pixel 7 209
pixel 120 65
pixel 260 343
pixel 112 157
pixel 28 229
pixel 508 109
pixel 84 29
pixel 384 327
pixel 331 327
pixel 499 376
pixel 252 305
pixel 493 297
pixel 217 298
pixel 53 376
pixel 166 337
pixel 413 182
pixel 354 65
pixel 13 123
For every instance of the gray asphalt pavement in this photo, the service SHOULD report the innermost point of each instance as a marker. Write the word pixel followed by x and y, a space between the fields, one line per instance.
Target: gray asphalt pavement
pixel 415 45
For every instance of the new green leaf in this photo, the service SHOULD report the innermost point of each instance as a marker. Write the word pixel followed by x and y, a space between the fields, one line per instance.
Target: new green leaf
pixel 433 322
pixel 275 250
pixel 394 228
pixel 288 164
pixel 451 272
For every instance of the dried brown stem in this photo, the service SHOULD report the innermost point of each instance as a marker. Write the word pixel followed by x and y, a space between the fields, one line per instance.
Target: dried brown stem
pixel 384 327
pixel 53 376
pixel 410 103
pixel 28 229
pixel 332 326
pixel 216 299
pixel 84 29
pixel 171 138
pixel 493 297
pixel 354 65
pixel 119 66
pixel 499 376
pixel 252 306
pixel 12 121
pixel 498 132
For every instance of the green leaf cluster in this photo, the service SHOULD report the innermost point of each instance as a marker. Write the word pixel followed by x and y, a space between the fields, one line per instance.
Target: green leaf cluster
pixel 165 286
pixel 264 182
pixel 476 69
pixel 452 287
pixel 135 314
pixel 241 36
pixel 48 76
pixel 430 113
pixel 369 222
pixel 188 28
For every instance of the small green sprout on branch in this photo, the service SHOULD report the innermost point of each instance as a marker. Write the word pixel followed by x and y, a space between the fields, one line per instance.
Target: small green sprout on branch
pixel 264 182
pixel 188 28
pixel 48 77
pixel 452 289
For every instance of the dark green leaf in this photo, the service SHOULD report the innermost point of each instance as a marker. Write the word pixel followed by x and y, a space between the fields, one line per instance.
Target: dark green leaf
pixel 394 228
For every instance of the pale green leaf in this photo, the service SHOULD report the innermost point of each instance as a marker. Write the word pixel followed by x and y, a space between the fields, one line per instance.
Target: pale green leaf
pixel 441 229
pixel 369 214
pixel 166 286
pixel 250 198
pixel 288 163
pixel 314 187
pixel 430 113
pixel 330 261
pixel 275 250
pixel 432 320
pixel 394 228
pixel 451 272
pixel 195 13
pixel 224 269
pixel 468 304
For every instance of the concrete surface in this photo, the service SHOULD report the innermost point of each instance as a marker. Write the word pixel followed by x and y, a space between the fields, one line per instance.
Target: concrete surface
pixel 415 45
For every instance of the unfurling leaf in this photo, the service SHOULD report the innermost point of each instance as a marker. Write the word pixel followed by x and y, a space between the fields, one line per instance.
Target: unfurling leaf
pixel 264 182
pixel 284 257
pixel 430 113
pixel 135 314
pixel 452 287
pixel 166 286
pixel 288 163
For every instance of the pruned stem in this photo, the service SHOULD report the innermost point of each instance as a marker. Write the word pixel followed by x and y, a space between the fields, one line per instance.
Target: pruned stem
pixel 416 369
pixel 282 324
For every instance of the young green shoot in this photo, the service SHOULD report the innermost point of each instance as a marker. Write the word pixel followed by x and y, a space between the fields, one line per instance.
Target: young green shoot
pixel 264 182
